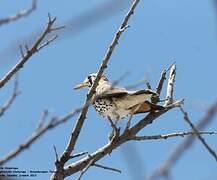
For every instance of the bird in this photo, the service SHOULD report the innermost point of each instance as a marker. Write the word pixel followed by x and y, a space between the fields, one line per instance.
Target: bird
pixel 116 103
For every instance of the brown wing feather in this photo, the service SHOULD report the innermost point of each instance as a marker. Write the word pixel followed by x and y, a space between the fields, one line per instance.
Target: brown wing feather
pixel 120 92
pixel 115 92
pixel 147 107
pixel 143 108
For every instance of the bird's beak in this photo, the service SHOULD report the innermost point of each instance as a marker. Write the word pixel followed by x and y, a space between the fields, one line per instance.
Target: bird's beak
pixel 81 86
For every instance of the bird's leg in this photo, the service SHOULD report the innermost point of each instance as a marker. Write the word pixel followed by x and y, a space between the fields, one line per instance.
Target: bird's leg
pixel 131 116
pixel 129 122
pixel 115 131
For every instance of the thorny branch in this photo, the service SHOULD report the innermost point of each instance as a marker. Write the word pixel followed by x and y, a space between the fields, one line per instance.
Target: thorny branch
pixel 173 158
pixel 30 51
pixel 19 15
pixel 8 104
pixel 79 124
pixel 187 119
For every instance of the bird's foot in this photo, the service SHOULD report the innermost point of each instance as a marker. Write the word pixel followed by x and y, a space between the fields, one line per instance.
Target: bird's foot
pixel 114 134
pixel 115 130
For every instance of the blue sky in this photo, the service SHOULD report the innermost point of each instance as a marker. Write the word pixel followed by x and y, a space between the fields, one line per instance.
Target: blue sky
pixel 160 31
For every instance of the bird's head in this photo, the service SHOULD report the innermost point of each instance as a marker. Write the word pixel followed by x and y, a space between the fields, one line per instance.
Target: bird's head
pixel 89 80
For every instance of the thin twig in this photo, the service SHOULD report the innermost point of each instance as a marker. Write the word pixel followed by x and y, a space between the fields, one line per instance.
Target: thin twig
pixel 166 136
pixel 47 42
pixel 106 167
pixel 19 15
pixel 187 119
pixel 169 68
pixel 29 52
pixel 78 154
pixel 156 99
pixel 56 154
pixel 40 130
pixel 85 169
pixel 15 93
pixel 43 118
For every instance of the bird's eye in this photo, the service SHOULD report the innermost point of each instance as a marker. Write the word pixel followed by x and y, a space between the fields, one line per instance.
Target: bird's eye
pixel 90 80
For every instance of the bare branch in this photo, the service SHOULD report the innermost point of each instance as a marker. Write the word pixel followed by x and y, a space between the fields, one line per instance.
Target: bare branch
pixel 29 52
pixel 85 169
pixel 156 99
pixel 161 82
pixel 166 136
pixel 19 15
pixel 106 167
pixel 56 154
pixel 187 119
pixel 173 158
pixel 8 104
pixel 43 118
pixel 47 42
pixel 170 86
pixel 169 68
pixel 79 124
pixel 40 130
pixel 21 50
pixel 108 148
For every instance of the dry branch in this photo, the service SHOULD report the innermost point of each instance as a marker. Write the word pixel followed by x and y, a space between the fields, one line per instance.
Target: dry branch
pixel 79 124
pixel 187 119
pixel 8 104
pixel 29 52
pixel 179 151
pixel 40 130
pixel 171 81
pixel 19 15
pixel 106 167
pixel 166 136
pixel 156 99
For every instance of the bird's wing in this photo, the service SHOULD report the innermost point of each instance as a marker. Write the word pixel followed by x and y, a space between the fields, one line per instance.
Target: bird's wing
pixel 143 91
pixel 147 107
pixel 121 92
pixel 114 92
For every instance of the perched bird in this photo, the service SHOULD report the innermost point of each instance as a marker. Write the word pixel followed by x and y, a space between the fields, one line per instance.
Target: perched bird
pixel 116 103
